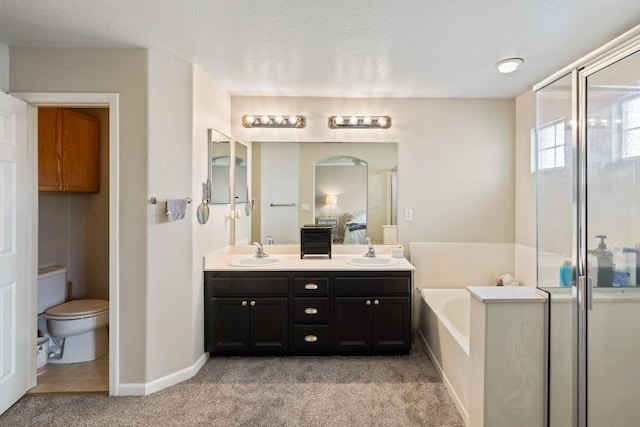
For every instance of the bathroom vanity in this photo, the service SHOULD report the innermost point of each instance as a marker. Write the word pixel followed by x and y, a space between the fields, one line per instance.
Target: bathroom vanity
pixel 308 306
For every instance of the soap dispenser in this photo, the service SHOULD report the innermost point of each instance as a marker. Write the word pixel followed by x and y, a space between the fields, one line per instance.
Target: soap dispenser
pixel 604 259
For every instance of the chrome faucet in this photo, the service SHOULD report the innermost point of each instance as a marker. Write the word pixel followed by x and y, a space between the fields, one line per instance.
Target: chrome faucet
pixel 269 240
pixel 371 252
pixel 260 251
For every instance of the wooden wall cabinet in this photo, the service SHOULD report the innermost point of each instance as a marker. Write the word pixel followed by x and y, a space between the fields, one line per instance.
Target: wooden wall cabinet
pixel 67 151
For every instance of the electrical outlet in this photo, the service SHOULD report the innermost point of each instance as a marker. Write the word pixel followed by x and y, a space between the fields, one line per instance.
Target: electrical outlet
pixel 408 214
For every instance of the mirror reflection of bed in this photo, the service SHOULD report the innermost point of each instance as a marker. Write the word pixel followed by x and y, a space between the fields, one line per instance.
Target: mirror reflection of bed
pixel 355 229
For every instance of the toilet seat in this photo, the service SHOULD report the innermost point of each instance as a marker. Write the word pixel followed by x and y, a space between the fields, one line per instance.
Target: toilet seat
pixel 78 309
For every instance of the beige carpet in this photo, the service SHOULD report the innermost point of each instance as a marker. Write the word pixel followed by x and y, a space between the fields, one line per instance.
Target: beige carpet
pixel 267 391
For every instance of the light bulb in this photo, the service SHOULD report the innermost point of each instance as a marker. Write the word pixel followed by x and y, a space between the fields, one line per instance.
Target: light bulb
pixel 382 121
pixel 509 65
pixel 353 120
pixel 339 120
pixel 366 120
pixel 293 120
pixel 250 119
pixel 278 119
pixel 264 120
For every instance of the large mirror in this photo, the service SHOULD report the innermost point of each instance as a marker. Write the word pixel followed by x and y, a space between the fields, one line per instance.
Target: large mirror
pixel 350 186
pixel 219 167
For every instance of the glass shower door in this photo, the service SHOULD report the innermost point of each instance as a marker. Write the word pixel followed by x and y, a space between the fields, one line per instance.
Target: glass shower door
pixel 554 162
pixel 610 239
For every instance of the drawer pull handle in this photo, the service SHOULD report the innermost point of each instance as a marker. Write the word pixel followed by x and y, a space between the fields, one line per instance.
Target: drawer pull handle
pixel 311 286
pixel 310 310
pixel 311 338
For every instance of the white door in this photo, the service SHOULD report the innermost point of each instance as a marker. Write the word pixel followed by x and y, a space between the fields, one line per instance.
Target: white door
pixel 14 196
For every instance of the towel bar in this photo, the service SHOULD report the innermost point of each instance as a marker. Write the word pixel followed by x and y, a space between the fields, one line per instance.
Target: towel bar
pixel 154 200
pixel 281 204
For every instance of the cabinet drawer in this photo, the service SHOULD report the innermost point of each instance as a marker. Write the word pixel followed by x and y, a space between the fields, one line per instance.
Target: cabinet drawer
pixel 310 337
pixel 371 285
pixel 225 286
pixel 310 286
pixel 311 310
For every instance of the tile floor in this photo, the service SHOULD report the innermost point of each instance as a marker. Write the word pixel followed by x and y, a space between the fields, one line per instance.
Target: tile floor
pixel 86 377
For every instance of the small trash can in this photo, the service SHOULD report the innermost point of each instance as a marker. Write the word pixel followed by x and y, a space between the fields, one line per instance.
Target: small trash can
pixel 42 354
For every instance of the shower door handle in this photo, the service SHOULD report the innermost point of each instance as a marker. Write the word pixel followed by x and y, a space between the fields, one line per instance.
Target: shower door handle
pixel 585 290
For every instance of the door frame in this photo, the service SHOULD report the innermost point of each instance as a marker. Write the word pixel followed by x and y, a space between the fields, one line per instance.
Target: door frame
pixel 82 100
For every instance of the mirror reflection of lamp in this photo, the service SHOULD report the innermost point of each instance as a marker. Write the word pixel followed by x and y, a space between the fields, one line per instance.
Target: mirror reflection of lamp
pixel 331 201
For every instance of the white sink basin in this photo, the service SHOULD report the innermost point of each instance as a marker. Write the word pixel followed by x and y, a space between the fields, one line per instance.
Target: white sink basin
pixel 372 262
pixel 254 262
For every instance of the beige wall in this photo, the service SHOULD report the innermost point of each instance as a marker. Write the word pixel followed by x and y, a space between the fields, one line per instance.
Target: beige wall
pixel 166 105
pixel 211 109
pixel 525 179
pixel 122 71
pixel 455 157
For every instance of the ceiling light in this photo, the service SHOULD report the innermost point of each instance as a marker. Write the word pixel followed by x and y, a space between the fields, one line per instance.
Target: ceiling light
pixel 277 121
pixel 509 65
pixel 360 122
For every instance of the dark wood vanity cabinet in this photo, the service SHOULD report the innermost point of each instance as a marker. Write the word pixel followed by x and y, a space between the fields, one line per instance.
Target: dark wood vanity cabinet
pixel 372 313
pixel 300 312
pixel 246 315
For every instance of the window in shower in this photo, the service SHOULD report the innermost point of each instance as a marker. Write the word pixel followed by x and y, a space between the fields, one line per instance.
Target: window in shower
pixel 550 148
pixel 630 109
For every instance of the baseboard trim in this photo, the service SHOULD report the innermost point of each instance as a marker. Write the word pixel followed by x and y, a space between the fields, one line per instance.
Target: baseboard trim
pixel 454 396
pixel 143 389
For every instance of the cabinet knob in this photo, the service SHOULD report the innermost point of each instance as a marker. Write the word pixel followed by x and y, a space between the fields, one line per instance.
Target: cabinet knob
pixel 252 303
pixel 310 310
pixel 376 302
pixel 311 286
pixel 368 302
pixel 244 303
pixel 311 338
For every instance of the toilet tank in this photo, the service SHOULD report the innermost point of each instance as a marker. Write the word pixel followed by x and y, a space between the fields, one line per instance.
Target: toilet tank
pixel 52 287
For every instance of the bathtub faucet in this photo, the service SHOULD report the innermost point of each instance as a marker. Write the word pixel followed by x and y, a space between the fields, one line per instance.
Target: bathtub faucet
pixel 371 252
pixel 260 251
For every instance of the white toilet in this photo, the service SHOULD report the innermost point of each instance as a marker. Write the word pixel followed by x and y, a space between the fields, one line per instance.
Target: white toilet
pixel 77 329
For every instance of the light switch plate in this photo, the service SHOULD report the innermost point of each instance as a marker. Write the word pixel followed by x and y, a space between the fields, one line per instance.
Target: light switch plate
pixel 408 214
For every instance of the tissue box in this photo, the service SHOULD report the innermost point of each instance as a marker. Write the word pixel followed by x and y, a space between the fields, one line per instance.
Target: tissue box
pixel 397 252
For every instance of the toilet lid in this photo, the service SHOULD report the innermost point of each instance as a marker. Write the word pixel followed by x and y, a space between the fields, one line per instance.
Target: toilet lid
pixel 79 307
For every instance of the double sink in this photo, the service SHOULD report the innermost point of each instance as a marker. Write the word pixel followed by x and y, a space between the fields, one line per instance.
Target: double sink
pixel 360 261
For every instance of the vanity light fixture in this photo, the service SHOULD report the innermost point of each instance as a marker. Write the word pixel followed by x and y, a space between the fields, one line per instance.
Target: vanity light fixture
pixel 360 122
pixel 509 65
pixel 273 121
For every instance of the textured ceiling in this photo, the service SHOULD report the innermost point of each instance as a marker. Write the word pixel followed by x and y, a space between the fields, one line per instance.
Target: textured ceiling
pixel 401 48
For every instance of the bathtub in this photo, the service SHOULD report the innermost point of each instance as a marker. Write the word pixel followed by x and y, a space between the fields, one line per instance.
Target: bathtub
pixel 444 327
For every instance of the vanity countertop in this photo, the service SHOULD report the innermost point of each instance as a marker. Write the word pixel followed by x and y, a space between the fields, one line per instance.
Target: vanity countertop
pixel 219 261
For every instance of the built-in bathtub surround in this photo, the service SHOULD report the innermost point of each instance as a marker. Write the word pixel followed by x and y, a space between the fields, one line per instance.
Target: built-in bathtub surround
pixel 458 265
pixel 488 345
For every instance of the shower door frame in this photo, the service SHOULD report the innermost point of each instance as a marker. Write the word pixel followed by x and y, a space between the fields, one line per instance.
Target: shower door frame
pixel 585 287
pixel 614 51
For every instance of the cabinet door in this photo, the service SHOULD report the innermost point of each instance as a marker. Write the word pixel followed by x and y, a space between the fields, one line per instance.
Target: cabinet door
pixel 391 326
pixel 228 325
pixel 80 170
pixel 269 325
pixel 49 149
pixel 352 323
